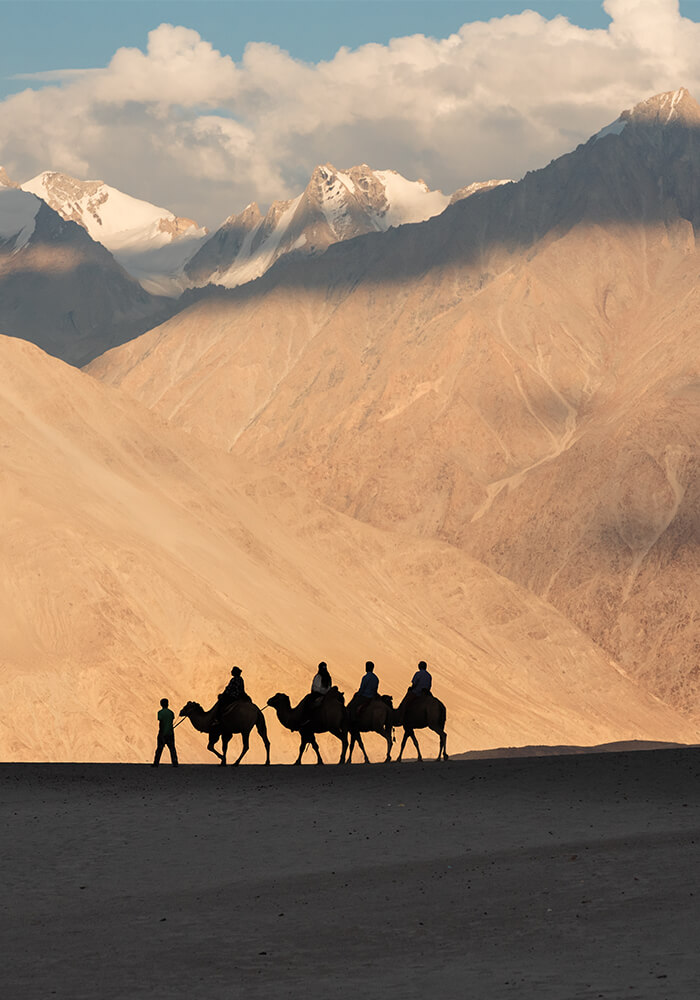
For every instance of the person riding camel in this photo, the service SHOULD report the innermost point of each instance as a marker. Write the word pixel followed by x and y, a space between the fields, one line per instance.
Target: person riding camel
pixel 320 686
pixel 422 681
pixel 234 691
pixel 369 686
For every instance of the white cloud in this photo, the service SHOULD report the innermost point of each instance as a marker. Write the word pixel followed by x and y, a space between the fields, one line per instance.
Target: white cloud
pixel 183 125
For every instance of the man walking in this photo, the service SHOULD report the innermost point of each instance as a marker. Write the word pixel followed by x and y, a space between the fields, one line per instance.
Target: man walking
pixel 166 734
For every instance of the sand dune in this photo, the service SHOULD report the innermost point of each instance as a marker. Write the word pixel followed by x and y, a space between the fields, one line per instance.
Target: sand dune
pixel 137 564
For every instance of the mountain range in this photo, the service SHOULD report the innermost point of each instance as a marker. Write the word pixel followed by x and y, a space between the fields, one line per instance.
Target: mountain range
pixel 165 254
pixel 471 439
pixel 168 254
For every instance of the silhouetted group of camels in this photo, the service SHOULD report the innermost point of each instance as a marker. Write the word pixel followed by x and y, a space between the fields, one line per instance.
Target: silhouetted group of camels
pixel 328 715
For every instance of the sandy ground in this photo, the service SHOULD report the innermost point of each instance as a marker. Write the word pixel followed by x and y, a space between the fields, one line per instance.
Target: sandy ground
pixel 563 877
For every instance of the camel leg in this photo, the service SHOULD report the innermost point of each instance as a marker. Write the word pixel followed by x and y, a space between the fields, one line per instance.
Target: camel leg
pixel 224 748
pixel 314 745
pixel 303 743
pixel 362 748
pixel 353 741
pixel 403 743
pixel 246 743
pixel 442 752
pixel 415 743
pixel 389 739
pixel 212 749
pixel 343 737
pixel 262 731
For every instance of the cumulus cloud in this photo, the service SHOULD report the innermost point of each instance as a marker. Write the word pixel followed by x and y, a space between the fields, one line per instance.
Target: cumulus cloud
pixel 185 126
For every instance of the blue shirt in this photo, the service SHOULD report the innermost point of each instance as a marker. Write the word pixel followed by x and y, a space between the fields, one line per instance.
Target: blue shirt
pixel 422 681
pixel 369 685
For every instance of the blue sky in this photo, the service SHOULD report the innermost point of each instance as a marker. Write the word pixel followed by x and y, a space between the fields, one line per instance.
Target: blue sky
pixel 39 35
pixel 203 107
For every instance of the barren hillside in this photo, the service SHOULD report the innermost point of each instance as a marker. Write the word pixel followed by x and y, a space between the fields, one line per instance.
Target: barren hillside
pixel 138 564
pixel 517 377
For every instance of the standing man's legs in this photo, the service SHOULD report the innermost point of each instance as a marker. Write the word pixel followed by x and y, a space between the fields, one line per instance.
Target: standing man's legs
pixel 170 744
pixel 159 750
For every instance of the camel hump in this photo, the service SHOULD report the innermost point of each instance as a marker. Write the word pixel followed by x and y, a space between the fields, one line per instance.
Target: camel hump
pixel 242 706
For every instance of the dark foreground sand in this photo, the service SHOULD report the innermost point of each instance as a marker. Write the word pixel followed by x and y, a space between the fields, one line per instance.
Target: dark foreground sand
pixel 560 877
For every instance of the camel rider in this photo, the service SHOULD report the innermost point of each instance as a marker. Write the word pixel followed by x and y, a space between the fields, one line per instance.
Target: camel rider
pixel 322 682
pixel 320 686
pixel 422 681
pixel 369 686
pixel 234 691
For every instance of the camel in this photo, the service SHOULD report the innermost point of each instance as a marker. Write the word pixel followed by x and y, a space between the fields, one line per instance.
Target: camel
pixel 237 717
pixel 421 712
pixel 327 717
pixel 376 717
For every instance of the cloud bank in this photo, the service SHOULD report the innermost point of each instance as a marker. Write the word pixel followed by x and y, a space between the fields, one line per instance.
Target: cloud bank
pixel 184 126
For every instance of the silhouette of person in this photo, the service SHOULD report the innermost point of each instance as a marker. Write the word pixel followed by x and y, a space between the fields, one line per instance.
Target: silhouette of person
pixel 422 681
pixel 369 685
pixel 166 734
pixel 320 686
pixel 234 691
pixel 322 682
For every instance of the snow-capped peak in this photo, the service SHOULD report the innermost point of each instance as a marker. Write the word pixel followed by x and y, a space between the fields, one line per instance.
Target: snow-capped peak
pixel 475 187
pixel 674 107
pixel 336 205
pixel 150 242
pixel 111 217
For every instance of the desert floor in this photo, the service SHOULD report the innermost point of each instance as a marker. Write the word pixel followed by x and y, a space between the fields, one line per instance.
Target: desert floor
pixel 563 877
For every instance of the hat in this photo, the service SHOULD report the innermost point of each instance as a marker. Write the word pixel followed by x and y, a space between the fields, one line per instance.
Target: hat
pixel 235 670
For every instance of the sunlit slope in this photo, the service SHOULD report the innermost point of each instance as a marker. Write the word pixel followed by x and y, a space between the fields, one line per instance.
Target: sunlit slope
pixel 137 564
pixel 515 377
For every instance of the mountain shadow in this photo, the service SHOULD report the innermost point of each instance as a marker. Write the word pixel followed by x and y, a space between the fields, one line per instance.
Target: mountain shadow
pixel 65 293
pixel 643 170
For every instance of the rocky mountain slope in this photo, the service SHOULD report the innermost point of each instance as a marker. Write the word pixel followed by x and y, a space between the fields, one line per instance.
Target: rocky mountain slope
pixel 336 205
pixel 137 563
pixel 516 376
pixel 62 290
pixel 151 243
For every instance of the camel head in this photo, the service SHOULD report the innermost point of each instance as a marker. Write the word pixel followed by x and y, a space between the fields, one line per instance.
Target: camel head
pixel 279 700
pixel 190 708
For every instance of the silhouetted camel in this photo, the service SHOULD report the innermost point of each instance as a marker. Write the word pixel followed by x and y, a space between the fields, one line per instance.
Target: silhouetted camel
pixel 421 712
pixel 327 717
pixel 237 717
pixel 376 717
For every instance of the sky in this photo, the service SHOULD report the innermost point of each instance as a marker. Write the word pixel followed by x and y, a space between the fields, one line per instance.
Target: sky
pixel 203 106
